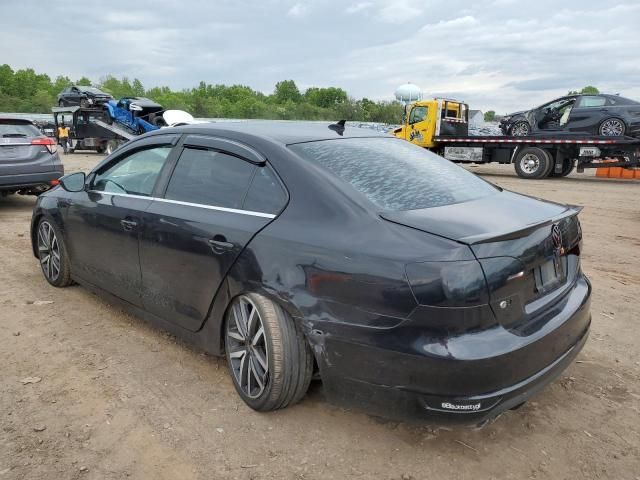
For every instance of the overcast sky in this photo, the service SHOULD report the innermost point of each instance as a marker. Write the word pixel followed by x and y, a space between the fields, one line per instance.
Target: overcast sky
pixel 501 54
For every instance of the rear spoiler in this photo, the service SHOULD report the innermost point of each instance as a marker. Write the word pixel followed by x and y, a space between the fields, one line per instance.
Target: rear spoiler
pixel 571 211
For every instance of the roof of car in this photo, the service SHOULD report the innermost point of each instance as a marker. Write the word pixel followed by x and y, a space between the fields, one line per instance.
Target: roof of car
pixel 142 101
pixel 283 131
pixel 10 118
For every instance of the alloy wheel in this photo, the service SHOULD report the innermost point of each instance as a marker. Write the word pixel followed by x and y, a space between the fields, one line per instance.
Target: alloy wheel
pixel 520 129
pixel 248 352
pixel 49 251
pixel 612 128
pixel 530 163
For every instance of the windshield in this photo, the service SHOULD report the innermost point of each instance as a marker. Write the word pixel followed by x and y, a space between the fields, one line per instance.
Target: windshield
pixel 394 174
pixel 92 90
pixel 17 129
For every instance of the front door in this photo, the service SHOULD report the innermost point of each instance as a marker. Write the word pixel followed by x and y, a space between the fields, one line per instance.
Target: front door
pixel 195 232
pixel 418 128
pixel 103 224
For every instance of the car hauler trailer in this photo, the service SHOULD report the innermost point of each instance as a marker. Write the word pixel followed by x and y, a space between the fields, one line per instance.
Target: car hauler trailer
pixel 441 125
pixel 89 131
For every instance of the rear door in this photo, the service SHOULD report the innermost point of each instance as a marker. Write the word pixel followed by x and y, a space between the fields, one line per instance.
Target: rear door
pixel 218 197
pixel 17 154
pixel 587 114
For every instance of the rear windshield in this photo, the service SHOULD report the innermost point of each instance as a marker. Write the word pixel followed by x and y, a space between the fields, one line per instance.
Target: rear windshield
pixel 16 128
pixel 394 174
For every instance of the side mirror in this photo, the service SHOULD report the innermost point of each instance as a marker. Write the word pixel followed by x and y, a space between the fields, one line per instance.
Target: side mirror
pixel 74 182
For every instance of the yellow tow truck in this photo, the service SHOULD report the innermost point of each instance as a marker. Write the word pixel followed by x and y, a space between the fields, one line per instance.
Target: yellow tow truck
pixel 442 126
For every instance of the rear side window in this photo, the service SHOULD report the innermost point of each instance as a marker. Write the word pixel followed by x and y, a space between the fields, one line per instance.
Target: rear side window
pixel 208 177
pixel 593 101
pixel 265 194
pixel 394 174
pixel 17 129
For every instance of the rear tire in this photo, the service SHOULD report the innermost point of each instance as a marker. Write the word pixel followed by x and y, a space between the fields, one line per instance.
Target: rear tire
pixel 52 254
pixel 270 362
pixel 533 163
pixel 612 127
pixel 567 168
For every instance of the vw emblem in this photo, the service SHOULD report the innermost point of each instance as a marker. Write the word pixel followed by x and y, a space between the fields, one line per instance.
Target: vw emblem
pixel 556 237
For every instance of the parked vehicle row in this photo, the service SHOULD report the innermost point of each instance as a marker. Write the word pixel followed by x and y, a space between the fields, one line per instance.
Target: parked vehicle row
pixel 410 286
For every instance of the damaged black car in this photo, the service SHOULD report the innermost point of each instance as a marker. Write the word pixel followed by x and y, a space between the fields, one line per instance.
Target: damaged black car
pixel 598 115
pixel 410 287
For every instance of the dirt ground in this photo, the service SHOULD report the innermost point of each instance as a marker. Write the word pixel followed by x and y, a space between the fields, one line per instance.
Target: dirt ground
pixel 114 398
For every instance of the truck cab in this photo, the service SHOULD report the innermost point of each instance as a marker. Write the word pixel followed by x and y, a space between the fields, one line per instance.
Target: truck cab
pixel 426 119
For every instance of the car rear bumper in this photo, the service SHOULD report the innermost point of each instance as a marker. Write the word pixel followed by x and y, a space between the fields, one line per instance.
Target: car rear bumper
pixel 469 385
pixel 25 180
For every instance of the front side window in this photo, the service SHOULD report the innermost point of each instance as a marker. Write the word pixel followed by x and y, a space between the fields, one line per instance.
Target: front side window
pixel 593 101
pixel 394 174
pixel 209 177
pixel 135 174
pixel 418 114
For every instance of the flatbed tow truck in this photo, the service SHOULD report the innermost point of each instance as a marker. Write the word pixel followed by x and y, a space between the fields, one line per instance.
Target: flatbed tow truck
pixel 89 131
pixel 441 125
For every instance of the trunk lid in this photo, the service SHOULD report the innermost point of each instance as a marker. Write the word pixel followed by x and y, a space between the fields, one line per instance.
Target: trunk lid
pixel 17 154
pixel 502 215
pixel 529 249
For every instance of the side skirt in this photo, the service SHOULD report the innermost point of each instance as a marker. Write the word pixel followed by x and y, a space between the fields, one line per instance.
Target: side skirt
pixel 207 338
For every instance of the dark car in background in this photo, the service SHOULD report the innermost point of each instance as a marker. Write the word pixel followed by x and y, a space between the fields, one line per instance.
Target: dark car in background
pixel 29 161
pixel 410 286
pixel 82 96
pixel 603 115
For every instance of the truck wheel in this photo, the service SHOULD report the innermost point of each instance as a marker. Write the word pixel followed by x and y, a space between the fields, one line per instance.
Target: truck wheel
pixel 533 162
pixel 567 168
pixel 520 129
pixel 612 127
pixel 111 147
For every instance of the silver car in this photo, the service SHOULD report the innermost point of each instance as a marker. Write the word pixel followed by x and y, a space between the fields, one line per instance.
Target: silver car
pixel 29 161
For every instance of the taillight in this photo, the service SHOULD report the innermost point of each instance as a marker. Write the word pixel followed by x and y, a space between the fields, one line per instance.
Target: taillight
pixel 47 142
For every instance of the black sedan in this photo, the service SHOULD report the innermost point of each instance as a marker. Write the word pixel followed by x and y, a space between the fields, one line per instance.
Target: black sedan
pixel 83 96
pixel 604 115
pixel 408 285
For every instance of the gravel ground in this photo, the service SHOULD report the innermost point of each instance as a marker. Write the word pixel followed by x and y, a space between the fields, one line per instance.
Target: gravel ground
pixel 89 392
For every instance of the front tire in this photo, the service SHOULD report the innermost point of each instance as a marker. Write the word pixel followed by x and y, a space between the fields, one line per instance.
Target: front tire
pixel 520 129
pixel 52 254
pixel 612 127
pixel 269 359
pixel 533 163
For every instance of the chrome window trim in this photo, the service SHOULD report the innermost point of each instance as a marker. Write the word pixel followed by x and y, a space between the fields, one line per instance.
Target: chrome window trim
pixel 189 204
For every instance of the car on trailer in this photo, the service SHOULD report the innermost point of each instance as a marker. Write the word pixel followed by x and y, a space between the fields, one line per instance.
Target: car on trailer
pixel 82 96
pixel 441 125
pixel 599 114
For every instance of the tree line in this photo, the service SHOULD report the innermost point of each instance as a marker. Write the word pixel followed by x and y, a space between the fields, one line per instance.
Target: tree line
pixel 30 92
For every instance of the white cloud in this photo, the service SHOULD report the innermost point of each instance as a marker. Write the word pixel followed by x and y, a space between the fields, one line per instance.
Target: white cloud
pixel 359 7
pixel 399 11
pixel 297 10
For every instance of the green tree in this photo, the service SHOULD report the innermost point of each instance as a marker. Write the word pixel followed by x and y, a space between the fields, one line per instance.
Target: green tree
pixel 84 81
pixel 588 90
pixel 136 88
pixel 287 91
pixel 489 116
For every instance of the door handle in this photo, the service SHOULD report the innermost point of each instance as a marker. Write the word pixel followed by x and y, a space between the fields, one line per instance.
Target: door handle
pixel 219 244
pixel 128 225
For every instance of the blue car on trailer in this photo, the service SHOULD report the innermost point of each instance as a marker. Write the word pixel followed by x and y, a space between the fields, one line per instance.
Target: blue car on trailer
pixel 138 114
